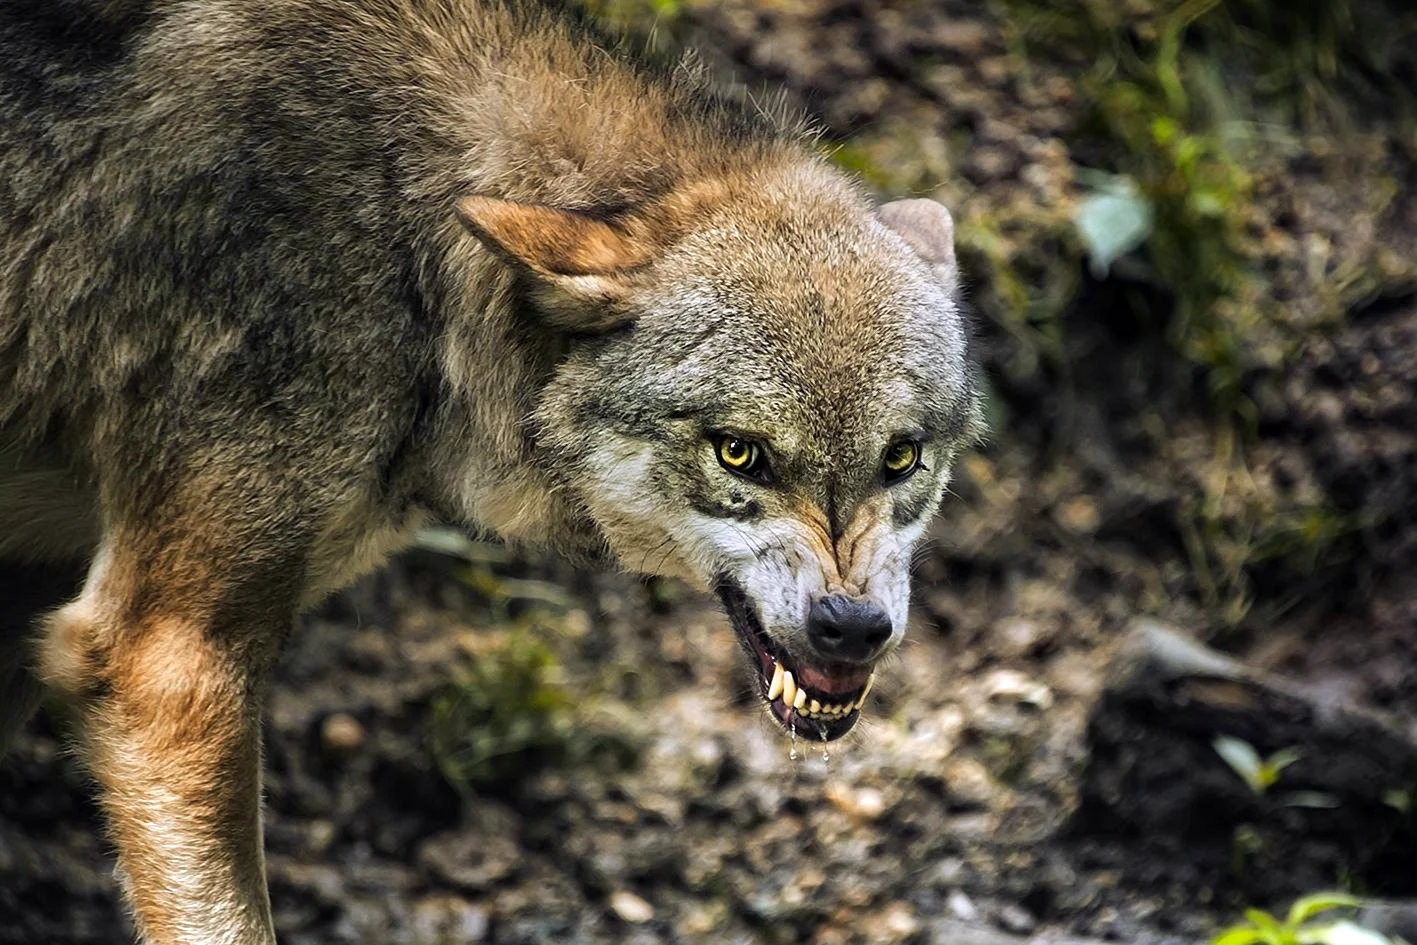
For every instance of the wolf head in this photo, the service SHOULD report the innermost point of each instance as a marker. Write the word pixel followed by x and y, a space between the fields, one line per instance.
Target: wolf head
pixel 768 388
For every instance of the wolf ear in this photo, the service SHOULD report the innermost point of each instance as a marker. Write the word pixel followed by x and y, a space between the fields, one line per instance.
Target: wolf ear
pixel 548 241
pixel 582 262
pixel 927 228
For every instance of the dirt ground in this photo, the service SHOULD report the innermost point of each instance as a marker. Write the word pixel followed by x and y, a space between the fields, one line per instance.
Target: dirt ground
pixel 637 794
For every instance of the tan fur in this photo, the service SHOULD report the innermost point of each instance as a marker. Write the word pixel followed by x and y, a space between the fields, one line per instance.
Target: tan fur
pixel 170 728
pixel 553 242
pixel 300 276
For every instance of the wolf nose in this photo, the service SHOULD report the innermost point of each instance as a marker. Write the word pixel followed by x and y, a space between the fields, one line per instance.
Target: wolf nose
pixel 847 629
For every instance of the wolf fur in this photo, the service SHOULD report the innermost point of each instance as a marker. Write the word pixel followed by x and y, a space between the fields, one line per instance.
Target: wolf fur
pixel 283 280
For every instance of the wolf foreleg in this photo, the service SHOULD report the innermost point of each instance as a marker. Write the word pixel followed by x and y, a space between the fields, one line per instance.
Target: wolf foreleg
pixel 169 726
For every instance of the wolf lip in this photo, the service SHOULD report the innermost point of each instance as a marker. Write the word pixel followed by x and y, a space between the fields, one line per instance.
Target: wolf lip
pixel 815 701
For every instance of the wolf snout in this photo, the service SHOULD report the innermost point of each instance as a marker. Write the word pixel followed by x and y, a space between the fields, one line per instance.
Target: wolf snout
pixel 848 629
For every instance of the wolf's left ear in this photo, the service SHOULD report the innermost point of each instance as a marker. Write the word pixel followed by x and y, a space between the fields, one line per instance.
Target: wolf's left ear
pixel 927 228
pixel 583 263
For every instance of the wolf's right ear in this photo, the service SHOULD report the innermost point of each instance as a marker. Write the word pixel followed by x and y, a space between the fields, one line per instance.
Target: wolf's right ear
pixel 928 229
pixel 583 264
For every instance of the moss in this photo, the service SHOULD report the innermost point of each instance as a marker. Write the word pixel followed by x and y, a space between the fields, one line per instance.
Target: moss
pixel 511 708
pixel 506 716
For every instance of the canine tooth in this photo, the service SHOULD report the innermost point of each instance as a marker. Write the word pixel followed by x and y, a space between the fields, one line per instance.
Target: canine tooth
pixel 870 681
pixel 775 687
pixel 815 706
pixel 789 688
pixel 800 701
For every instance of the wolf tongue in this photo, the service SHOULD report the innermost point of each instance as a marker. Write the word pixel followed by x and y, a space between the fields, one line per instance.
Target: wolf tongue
pixel 830 683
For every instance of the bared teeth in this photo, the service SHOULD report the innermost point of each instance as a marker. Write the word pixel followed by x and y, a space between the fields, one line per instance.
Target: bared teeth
pixel 870 680
pixel 779 680
pixel 783 685
pixel 790 692
pixel 814 708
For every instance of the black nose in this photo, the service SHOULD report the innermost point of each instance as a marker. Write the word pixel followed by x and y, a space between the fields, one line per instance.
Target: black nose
pixel 846 629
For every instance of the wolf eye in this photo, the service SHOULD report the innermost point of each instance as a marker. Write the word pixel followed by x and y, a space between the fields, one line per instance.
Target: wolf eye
pixel 902 458
pixel 741 456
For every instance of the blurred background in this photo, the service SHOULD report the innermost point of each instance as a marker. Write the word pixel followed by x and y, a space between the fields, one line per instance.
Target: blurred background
pixel 1164 660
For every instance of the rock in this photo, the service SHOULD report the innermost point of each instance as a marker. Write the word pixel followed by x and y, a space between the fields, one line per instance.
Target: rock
pixel 1079 515
pixel 965 38
pixel 1016 919
pixel 449 919
pixel 468 860
pixel 320 883
pixel 1154 771
pixel 961 906
pixel 1009 686
pixel 865 803
pixel 630 907
pixel 341 733
pixel 703 919
pixel 970 784
pixel 893 924
pixel 988 163
pixel 1016 637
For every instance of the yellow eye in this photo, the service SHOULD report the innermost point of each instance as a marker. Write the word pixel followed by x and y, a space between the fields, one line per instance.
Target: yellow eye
pixel 741 456
pixel 901 460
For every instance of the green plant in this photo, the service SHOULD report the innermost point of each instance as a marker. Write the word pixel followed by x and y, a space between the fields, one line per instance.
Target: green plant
pixel 1259 773
pixel 505 716
pixel 1112 221
pixel 1302 925
pixel 1161 107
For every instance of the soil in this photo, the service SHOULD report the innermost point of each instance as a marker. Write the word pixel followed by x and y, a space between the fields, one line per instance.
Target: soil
pixel 997 782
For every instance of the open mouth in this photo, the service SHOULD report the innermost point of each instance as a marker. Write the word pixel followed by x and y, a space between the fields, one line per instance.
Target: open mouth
pixel 816 701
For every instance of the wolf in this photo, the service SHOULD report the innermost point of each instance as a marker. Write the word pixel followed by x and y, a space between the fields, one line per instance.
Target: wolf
pixel 283 281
